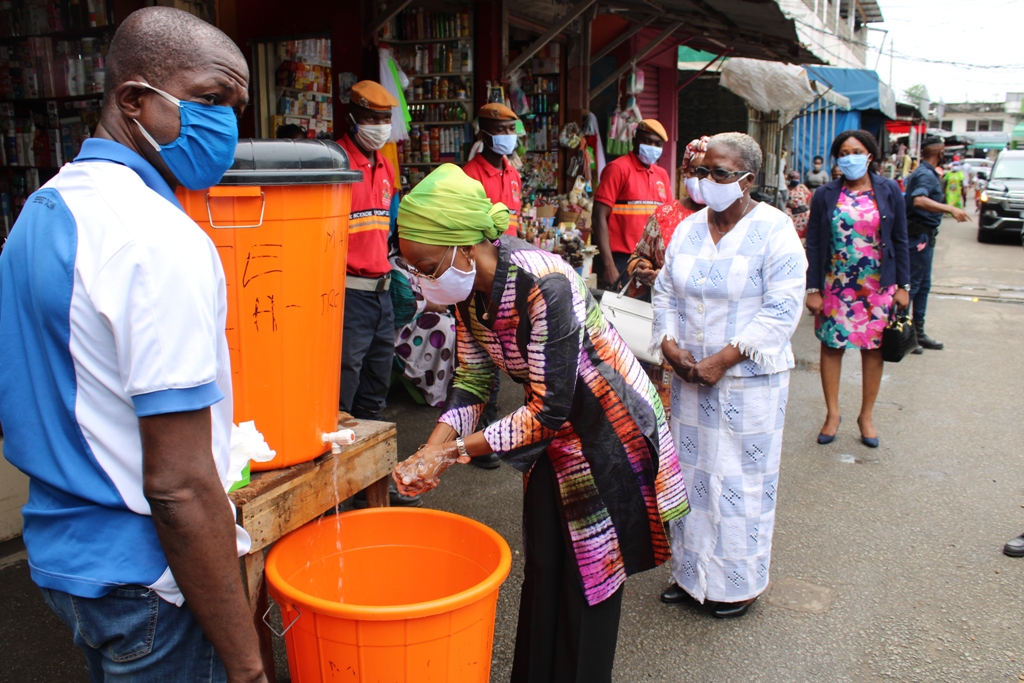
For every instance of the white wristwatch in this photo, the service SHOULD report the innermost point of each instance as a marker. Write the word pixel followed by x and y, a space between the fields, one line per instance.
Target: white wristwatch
pixel 461 445
pixel 813 290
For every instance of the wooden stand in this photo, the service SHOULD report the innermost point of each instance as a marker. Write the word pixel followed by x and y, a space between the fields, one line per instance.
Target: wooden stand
pixel 279 501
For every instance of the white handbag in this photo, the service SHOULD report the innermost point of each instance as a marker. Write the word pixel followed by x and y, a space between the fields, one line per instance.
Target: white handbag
pixel 632 319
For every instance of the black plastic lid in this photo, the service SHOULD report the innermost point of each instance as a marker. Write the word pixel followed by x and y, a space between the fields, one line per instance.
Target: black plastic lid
pixel 290 162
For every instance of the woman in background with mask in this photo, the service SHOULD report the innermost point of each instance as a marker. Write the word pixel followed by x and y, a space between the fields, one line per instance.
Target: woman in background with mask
pixel 649 255
pixel 602 475
pixel 726 303
pixel 798 202
pixel 859 266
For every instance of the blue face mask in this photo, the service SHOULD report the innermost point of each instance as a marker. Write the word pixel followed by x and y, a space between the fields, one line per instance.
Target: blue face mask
pixel 205 147
pixel 503 144
pixel 853 166
pixel 649 154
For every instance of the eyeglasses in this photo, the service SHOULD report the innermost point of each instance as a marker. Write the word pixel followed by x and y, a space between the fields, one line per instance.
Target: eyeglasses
pixel 720 175
pixel 432 274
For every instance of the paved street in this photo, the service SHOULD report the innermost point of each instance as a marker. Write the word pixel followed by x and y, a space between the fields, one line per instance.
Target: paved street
pixel 886 563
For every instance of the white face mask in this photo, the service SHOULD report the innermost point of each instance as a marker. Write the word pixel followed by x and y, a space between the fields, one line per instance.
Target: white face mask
pixel 453 286
pixel 720 196
pixel 693 189
pixel 372 137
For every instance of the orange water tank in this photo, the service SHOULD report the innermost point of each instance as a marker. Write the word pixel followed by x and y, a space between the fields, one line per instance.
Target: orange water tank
pixel 279 219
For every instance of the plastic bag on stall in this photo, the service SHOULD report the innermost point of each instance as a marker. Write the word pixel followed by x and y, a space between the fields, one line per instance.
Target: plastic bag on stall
pixel 635 82
pixel 569 136
pixel 620 136
pixel 395 81
pixel 519 102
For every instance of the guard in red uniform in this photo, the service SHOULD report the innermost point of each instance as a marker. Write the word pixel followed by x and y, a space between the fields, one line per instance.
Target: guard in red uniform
pixel 501 182
pixel 368 342
pixel 631 188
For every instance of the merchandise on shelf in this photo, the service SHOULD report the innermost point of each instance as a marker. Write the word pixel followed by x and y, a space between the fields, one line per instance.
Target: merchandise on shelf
pixel 41 67
pixel 303 79
pixel 547 60
pixel 32 17
pixel 421 24
pixel 434 145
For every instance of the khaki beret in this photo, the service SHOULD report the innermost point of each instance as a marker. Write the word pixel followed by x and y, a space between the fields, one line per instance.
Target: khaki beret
pixel 654 126
pixel 372 95
pixel 498 112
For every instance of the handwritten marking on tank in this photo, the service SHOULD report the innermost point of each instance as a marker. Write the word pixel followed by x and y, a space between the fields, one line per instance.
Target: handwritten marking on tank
pixel 330 239
pixel 331 299
pixel 266 269
pixel 257 312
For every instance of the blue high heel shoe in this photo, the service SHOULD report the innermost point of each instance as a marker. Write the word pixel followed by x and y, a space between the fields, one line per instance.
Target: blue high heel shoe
pixel 826 439
pixel 870 442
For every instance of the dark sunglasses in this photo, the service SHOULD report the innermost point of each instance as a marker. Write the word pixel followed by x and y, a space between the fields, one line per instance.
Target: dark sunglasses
pixel 719 175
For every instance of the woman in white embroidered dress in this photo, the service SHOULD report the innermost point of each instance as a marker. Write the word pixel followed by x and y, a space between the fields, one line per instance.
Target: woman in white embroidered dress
pixel 726 303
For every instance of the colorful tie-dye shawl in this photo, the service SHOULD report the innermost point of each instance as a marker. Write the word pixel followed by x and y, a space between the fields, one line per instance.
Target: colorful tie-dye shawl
pixel 590 409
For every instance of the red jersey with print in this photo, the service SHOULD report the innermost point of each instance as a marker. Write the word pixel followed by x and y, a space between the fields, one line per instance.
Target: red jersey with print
pixel 370 217
pixel 633 193
pixel 501 185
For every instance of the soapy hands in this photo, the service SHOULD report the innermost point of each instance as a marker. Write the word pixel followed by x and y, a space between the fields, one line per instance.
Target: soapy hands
pixel 422 471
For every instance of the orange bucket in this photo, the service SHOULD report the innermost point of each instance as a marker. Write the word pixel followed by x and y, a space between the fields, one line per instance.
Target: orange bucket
pixel 279 220
pixel 389 594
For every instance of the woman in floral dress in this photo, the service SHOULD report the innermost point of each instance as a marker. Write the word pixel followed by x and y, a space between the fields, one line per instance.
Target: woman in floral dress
pixel 858 267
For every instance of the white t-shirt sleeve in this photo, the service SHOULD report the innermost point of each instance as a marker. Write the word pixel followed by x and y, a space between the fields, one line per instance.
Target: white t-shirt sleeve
pixel 160 301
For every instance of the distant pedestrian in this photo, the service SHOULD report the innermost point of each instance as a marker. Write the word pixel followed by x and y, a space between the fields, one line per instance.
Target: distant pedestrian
pixel 798 203
pixel 954 184
pixel 726 303
pixel 858 267
pixel 818 176
pixel 924 200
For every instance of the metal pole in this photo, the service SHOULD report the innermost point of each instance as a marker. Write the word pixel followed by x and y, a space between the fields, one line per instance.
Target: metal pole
pixel 557 28
pixel 697 75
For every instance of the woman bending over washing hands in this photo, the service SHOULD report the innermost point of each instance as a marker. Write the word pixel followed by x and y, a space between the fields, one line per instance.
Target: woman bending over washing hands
pixel 602 477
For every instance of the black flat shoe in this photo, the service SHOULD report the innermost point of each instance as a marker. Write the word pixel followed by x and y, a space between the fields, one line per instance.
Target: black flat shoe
pixel 675 595
pixel 730 610
pixel 1014 547
pixel 491 461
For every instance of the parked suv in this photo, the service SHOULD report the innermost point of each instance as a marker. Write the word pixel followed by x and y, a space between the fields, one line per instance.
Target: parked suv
pixel 1001 210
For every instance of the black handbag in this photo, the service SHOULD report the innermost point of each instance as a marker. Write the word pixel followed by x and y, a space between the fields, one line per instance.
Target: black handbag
pixel 899 337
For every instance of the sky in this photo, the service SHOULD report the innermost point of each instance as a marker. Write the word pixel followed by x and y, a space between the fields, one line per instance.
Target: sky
pixel 968 32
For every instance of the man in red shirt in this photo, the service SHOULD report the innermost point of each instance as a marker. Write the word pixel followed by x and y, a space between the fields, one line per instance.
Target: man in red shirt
pixel 501 182
pixel 631 188
pixel 368 341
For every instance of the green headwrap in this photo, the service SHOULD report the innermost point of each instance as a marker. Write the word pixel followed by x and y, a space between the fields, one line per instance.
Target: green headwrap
pixel 450 209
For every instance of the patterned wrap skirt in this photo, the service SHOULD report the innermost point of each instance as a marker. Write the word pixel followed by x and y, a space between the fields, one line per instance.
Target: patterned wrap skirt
pixel 729 441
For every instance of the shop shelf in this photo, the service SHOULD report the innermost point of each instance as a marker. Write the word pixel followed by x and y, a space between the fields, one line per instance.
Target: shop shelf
pixel 448 101
pixel 438 123
pixel 59 100
pixel 61 35
pixel 408 41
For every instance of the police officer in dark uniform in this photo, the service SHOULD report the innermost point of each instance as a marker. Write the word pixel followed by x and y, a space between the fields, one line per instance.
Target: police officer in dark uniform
pixel 925 207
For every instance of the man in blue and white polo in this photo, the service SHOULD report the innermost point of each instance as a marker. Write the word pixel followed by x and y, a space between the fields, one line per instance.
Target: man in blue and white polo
pixel 115 393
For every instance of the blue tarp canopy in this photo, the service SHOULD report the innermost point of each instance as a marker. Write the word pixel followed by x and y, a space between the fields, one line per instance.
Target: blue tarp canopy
pixel 864 88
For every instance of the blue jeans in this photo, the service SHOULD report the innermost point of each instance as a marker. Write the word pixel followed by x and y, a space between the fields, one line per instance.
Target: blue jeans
pixel 130 635
pixel 920 276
